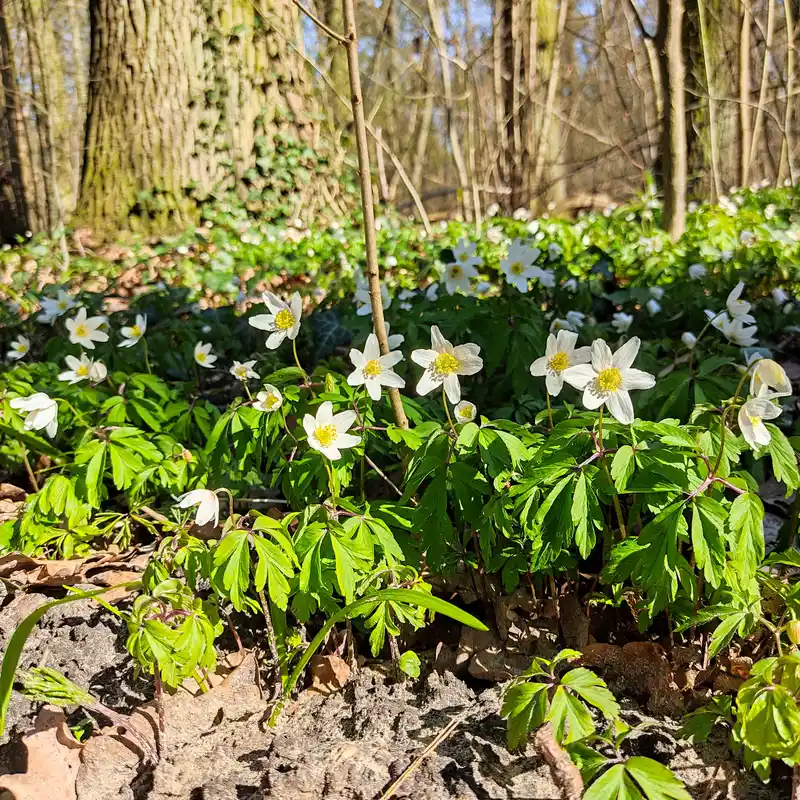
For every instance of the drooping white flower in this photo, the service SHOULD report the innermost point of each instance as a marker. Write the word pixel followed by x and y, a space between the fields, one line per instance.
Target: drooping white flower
pixel 653 306
pixel 131 335
pixel 444 363
pixel 780 296
pixel 553 251
pixel 769 377
pixel 697 271
pixel 545 276
pixel 53 308
pixel 243 370
pixel 571 285
pixel 609 379
pixel 361 298
pixel 327 432
pixel 518 264
pixel 458 274
pixel 203 355
pixel 521 214
pixel 395 339
pixel 576 319
pixel 492 209
pixel 689 339
pixel 282 321
pixel 207 504
pixel 19 348
pixel 41 410
pixel 651 244
pixel 751 420
pixel 738 309
pixel 465 411
pixel 495 234
pixel 769 211
pixel 747 238
pixel 432 292
pixel 374 370
pixel 560 354
pixel 621 322
pixel 657 292
pixel 83 368
pixel 268 399
pixel 733 330
pixel 85 330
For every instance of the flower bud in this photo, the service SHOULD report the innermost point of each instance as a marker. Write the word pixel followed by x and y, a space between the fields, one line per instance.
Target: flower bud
pixel 793 631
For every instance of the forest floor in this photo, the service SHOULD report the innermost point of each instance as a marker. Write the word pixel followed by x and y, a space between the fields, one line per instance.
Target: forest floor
pixel 335 742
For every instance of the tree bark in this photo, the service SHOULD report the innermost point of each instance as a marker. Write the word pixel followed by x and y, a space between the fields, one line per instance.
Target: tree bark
pixel 14 214
pixel 179 93
pixel 673 134
pixel 745 132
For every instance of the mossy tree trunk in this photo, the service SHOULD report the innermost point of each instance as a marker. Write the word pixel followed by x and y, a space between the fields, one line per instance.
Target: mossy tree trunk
pixel 181 94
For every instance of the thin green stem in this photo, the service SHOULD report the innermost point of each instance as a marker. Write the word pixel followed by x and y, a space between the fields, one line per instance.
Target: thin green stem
pixel 28 468
pixel 230 498
pixel 549 408
pixel 74 411
pixel 146 357
pixel 723 423
pixel 617 505
pixel 331 483
pixel 247 391
pixel 447 410
pixel 297 361
pixel 700 336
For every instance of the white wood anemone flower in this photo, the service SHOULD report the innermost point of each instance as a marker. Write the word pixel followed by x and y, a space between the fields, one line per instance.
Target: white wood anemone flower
pixel 697 271
pixel 268 399
pixel 133 333
pixel 621 322
pixel 41 411
pixel 374 370
pixel 457 275
pixel 443 364
pixel 83 368
pixel 85 330
pixel 19 348
pixel 689 339
pixel 327 432
pixel 243 370
pixel 733 330
pixel 609 378
pixel 282 321
pixel 361 298
pixel 737 308
pixel 203 356
pixel 769 377
pixel 53 308
pixel 465 411
pixel 560 355
pixel 751 420
pixel 207 504
pixel 518 264
pixel 394 339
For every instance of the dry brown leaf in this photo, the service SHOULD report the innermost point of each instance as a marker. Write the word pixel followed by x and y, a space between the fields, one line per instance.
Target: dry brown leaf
pixel 53 761
pixel 99 568
pixel 328 674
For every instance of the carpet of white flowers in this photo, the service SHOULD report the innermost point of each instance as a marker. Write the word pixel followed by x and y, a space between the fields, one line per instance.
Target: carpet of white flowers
pixel 592 409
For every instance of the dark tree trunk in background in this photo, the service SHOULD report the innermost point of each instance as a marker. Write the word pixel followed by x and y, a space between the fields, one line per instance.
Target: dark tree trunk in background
pixel 14 215
pixel 182 94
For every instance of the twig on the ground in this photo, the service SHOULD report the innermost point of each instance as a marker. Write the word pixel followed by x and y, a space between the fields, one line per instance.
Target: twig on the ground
pixel 451 726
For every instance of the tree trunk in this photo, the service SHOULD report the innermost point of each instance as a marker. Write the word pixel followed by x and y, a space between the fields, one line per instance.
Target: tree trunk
pixel 184 95
pixel 14 219
pixel 673 133
pixel 745 112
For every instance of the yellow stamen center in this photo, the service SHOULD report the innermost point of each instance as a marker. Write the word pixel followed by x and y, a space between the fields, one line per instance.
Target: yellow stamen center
pixel 754 421
pixel 81 331
pixel 465 412
pixel 372 368
pixel 200 357
pixel 135 332
pixel 456 272
pixel 83 370
pixel 463 257
pixel 20 347
pixel 517 268
pixel 61 305
pixel 445 364
pixel 241 372
pixel 609 380
pixel 271 400
pixel 559 362
pixel 326 435
pixel 284 320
